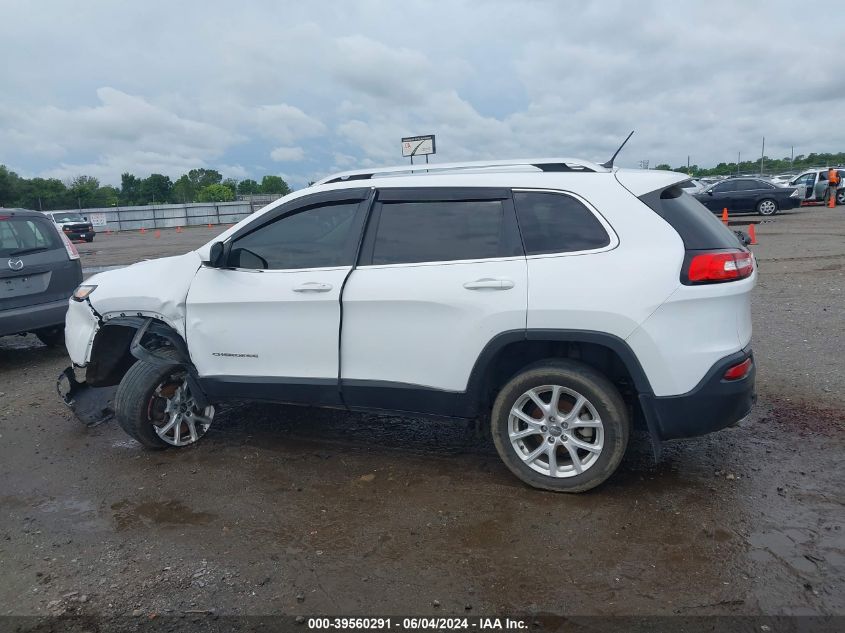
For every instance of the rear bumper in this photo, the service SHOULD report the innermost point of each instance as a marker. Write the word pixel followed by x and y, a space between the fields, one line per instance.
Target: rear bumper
pixel 714 404
pixel 31 318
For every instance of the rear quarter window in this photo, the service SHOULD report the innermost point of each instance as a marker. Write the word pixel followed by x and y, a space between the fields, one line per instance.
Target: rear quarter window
pixel 25 233
pixel 557 223
pixel 697 226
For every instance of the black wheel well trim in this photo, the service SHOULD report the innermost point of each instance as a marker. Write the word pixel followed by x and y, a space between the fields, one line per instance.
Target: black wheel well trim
pixel 149 325
pixel 475 384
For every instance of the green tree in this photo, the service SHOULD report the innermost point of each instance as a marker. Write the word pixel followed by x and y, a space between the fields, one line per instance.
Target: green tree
pixel 203 177
pixel 664 167
pixel 274 184
pixel 248 187
pixel 130 189
pixel 83 191
pixel 9 186
pixel 183 190
pixel 108 196
pixel 215 193
pixel 156 188
pixel 44 194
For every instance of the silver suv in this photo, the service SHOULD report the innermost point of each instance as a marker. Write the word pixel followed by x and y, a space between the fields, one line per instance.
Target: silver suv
pixel 814 184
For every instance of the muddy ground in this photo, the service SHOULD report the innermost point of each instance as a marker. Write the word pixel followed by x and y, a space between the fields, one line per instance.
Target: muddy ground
pixel 284 510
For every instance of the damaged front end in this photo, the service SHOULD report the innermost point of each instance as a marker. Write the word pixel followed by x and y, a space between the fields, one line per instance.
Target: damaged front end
pixel 91 405
pixel 120 343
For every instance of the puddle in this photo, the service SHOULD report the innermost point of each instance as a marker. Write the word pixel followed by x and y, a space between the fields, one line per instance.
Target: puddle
pixel 132 515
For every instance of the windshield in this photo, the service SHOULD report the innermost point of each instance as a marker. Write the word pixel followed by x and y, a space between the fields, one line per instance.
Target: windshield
pixel 24 234
pixel 68 217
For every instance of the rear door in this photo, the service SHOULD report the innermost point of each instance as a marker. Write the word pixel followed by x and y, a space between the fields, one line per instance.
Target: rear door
pixel 34 265
pixel 749 192
pixel 441 273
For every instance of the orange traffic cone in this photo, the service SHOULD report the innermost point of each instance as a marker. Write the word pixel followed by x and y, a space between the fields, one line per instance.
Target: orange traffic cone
pixel 209 225
pixel 158 234
pixel 752 234
pixel 143 230
pixel 832 203
pixel 178 229
pixel 725 216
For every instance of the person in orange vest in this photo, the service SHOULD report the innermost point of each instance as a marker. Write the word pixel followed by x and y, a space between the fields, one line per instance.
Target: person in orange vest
pixel 833 182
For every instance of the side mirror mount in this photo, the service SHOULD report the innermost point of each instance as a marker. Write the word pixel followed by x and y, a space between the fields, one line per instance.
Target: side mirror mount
pixel 217 255
pixel 709 192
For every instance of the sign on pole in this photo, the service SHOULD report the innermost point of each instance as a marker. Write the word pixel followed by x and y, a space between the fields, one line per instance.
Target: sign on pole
pixel 418 146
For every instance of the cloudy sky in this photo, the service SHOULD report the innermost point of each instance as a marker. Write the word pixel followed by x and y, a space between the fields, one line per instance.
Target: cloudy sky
pixel 305 88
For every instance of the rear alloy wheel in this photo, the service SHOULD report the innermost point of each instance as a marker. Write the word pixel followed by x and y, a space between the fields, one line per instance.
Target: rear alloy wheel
pixel 840 196
pixel 560 426
pixel 767 207
pixel 155 406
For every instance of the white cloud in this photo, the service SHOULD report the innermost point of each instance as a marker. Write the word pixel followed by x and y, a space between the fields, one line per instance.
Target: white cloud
pixel 282 154
pixel 341 84
pixel 286 123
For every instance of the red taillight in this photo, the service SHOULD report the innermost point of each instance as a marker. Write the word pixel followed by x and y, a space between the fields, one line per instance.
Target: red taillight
pixel 720 266
pixel 738 371
pixel 70 247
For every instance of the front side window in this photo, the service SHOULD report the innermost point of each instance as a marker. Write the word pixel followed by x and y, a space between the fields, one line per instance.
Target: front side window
pixel 317 237
pixel 557 223
pixel 435 231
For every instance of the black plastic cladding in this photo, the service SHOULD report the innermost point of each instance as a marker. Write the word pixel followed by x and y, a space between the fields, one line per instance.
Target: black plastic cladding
pixel 697 226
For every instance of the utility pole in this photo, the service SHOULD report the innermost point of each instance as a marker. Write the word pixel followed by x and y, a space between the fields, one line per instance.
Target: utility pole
pixel 762 153
pixel 688 165
pixel 792 157
pixel 738 161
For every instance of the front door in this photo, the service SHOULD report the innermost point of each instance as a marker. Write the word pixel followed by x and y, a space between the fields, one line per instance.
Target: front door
pixel 720 196
pixel 266 326
pixel 442 272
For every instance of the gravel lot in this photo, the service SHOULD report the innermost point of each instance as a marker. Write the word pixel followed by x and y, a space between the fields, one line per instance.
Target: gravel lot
pixel 284 510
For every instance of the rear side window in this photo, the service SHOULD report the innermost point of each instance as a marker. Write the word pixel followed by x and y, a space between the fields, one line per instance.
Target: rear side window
pixel 557 223
pixel 436 231
pixel 697 226
pixel 26 234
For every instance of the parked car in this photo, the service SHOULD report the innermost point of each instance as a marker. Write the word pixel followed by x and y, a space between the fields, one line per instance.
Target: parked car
pixel 75 225
pixel 782 180
pixel 554 298
pixel 692 186
pixel 812 185
pixel 39 270
pixel 748 195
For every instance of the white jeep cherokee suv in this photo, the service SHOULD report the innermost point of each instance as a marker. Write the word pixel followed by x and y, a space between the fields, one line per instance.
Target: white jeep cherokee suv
pixel 563 300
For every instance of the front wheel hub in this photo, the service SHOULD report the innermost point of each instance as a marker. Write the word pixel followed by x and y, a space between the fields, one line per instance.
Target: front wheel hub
pixel 174 413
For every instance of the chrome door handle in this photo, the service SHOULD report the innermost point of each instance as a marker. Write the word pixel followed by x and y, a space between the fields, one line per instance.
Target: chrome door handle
pixel 489 284
pixel 312 286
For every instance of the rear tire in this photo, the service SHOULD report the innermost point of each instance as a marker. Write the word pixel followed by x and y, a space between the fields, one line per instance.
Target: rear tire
pixel 52 336
pixel 581 439
pixel 154 405
pixel 767 207
pixel 840 196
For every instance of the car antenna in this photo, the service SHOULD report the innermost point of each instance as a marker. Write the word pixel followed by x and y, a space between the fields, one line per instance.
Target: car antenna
pixel 609 164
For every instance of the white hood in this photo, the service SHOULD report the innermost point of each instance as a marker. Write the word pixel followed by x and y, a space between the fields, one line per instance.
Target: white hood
pixel 156 288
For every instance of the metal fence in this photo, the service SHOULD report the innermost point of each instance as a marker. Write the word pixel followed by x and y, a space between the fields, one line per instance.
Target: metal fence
pixel 161 216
